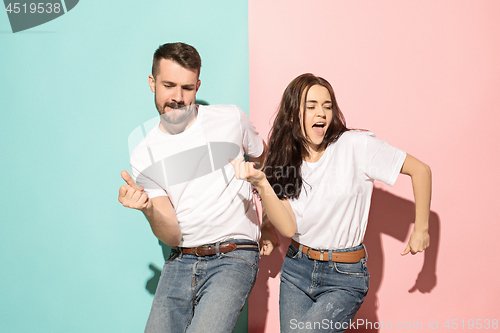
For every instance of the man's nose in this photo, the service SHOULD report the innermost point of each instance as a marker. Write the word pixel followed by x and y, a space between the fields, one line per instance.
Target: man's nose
pixel 177 95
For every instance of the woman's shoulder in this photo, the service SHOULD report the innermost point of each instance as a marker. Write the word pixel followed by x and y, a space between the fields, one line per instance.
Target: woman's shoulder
pixel 353 140
pixel 355 136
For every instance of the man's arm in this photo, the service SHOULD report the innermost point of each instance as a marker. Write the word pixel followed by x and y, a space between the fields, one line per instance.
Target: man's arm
pixel 158 211
pixel 259 161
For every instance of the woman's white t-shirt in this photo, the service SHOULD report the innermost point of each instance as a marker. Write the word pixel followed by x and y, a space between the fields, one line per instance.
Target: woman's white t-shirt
pixel 333 206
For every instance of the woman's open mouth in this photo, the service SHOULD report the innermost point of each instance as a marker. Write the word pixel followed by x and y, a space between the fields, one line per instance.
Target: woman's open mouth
pixel 319 128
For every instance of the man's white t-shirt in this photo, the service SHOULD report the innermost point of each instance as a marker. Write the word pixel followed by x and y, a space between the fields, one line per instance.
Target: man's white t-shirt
pixel 333 206
pixel 192 168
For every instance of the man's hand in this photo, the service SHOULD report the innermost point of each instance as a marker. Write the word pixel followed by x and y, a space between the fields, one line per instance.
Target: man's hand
pixel 268 238
pixel 419 241
pixel 132 195
pixel 247 171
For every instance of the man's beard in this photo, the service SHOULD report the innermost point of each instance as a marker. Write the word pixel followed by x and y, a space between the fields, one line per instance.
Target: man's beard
pixel 178 113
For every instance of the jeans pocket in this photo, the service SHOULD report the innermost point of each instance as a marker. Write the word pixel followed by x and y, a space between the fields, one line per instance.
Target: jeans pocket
pixel 353 269
pixel 250 257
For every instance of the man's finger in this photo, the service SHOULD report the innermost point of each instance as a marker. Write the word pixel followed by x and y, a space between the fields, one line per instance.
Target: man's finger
pixel 136 195
pixel 144 198
pixel 238 171
pixel 250 167
pixel 128 179
pixel 122 192
pixel 233 162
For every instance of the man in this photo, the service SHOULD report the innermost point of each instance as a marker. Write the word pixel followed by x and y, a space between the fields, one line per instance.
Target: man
pixel 187 190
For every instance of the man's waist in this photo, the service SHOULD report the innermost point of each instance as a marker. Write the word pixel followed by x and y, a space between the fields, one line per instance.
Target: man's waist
pixel 212 234
pixel 220 247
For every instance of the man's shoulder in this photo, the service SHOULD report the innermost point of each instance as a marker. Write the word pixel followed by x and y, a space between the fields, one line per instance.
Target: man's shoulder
pixel 150 137
pixel 149 140
pixel 227 113
pixel 221 108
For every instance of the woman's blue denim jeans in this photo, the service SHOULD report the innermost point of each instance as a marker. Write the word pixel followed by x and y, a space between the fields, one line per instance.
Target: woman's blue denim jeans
pixel 320 296
pixel 203 294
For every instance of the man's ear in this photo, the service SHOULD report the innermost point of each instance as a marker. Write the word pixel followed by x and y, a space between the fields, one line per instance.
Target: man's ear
pixel 151 81
pixel 198 84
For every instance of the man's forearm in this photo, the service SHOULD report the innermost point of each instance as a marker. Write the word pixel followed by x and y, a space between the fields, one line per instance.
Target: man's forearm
pixel 165 229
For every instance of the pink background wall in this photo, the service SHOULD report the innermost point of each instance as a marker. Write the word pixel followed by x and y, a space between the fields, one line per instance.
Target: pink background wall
pixel 424 76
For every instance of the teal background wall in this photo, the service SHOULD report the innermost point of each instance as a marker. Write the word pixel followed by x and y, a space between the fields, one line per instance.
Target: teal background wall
pixel 71 258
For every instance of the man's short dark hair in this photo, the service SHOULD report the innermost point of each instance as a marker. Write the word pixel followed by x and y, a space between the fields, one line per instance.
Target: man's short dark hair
pixel 183 54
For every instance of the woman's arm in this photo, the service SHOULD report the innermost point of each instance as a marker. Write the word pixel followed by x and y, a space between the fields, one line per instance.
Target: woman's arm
pixel 268 237
pixel 278 211
pixel 421 179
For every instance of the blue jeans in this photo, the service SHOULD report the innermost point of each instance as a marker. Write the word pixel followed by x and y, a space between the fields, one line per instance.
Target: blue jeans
pixel 320 296
pixel 203 294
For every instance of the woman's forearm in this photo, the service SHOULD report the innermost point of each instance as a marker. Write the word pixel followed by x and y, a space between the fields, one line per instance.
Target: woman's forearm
pixel 279 212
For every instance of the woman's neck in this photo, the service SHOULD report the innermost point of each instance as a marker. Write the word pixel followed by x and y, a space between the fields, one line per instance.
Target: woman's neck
pixel 314 154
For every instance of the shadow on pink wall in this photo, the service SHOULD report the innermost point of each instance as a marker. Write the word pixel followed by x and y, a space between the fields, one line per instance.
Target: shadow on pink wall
pixel 389 215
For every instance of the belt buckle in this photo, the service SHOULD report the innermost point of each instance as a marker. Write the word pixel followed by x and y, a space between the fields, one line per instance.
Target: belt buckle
pixel 196 251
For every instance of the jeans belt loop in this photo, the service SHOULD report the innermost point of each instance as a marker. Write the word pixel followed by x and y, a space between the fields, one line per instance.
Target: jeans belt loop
pixel 300 250
pixel 330 256
pixel 217 249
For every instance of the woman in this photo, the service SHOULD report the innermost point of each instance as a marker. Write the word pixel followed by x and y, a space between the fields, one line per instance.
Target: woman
pixel 316 187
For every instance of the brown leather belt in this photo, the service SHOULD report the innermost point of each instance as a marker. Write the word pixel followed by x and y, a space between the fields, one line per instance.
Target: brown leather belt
pixel 209 250
pixel 345 257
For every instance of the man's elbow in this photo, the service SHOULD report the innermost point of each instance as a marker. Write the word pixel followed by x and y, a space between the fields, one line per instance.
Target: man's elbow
pixel 288 232
pixel 176 241
pixel 170 240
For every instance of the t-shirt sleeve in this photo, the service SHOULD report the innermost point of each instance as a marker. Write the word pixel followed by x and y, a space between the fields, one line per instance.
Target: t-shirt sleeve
pixel 146 175
pixel 382 161
pixel 252 142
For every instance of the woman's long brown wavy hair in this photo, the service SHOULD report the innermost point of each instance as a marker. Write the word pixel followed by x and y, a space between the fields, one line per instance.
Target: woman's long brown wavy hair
pixel 287 143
